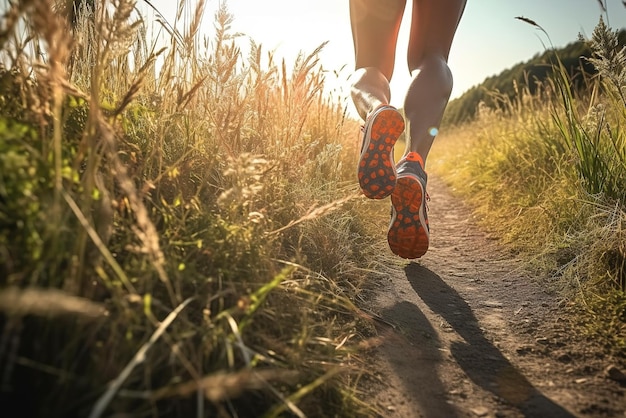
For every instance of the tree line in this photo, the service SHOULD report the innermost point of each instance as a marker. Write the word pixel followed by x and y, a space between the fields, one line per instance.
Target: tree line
pixel 523 78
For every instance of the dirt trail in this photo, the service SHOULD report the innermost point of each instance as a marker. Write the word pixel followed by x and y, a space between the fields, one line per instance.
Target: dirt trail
pixel 466 332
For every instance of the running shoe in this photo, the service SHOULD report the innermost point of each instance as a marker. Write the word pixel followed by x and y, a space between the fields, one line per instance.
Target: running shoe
pixel 408 233
pixel 376 169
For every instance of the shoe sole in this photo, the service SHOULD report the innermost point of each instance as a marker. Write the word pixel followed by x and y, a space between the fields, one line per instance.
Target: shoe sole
pixel 408 234
pixel 377 172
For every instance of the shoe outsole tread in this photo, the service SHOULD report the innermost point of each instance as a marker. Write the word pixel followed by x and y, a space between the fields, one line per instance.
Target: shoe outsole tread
pixel 376 170
pixel 408 234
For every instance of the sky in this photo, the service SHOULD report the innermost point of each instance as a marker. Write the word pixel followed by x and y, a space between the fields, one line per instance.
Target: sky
pixel 488 40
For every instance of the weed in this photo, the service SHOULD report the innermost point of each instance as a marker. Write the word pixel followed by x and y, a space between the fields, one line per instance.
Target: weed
pixel 181 237
pixel 547 172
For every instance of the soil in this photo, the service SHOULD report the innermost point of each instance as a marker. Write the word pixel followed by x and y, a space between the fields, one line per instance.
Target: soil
pixel 467 331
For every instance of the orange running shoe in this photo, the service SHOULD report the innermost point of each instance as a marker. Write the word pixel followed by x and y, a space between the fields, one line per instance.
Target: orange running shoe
pixel 409 232
pixel 376 170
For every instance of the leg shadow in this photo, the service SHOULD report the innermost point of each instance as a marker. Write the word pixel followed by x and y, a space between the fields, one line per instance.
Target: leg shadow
pixel 483 363
pixel 413 351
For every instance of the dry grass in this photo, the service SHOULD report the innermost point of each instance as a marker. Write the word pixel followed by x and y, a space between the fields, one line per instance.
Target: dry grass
pixel 206 211
pixel 547 173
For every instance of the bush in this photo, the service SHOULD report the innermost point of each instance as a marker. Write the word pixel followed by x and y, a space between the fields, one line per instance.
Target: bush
pixel 170 241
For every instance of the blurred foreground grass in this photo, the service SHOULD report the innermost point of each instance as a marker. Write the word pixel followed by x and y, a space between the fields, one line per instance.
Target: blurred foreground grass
pixel 171 242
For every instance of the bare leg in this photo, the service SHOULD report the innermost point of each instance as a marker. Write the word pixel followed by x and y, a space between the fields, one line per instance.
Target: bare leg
pixel 375 26
pixel 433 25
pixel 425 102
pixel 370 90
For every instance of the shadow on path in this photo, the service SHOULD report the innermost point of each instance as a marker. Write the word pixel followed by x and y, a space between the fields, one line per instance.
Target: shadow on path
pixel 483 363
pixel 414 353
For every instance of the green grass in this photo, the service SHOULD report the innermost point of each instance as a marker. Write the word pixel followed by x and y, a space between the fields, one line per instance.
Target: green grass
pixel 548 174
pixel 182 242
pixel 190 241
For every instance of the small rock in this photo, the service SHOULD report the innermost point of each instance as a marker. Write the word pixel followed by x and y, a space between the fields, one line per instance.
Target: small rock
pixel 581 380
pixel 541 340
pixel 391 408
pixel 613 373
pixel 524 349
pixel 492 304
pixel 564 358
pixel 480 411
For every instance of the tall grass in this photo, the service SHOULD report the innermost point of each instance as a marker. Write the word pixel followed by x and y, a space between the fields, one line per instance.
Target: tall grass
pixel 170 236
pixel 597 137
pixel 547 172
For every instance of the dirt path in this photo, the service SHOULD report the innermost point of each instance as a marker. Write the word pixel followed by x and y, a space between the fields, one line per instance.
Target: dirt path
pixel 467 333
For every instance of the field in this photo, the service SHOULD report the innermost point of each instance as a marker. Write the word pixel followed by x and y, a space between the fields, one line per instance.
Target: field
pixel 181 232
